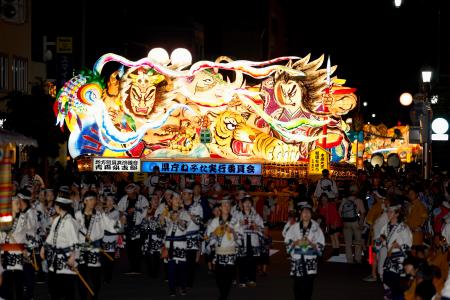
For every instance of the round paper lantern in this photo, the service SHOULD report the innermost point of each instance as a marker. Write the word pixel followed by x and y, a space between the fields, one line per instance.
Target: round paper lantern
pixel 181 57
pixel 159 55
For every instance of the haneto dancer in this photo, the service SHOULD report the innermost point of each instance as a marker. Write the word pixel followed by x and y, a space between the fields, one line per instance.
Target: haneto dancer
pixel 92 226
pixel 305 242
pixel 174 250
pixel 194 209
pixel 12 245
pixel 223 240
pixel 134 207
pixel 60 250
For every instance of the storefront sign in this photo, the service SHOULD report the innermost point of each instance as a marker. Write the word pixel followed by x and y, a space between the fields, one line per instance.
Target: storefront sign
pixel 116 165
pixel 64 45
pixel 202 168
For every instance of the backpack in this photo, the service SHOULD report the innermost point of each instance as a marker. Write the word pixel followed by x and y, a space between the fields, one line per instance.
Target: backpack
pixel 348 211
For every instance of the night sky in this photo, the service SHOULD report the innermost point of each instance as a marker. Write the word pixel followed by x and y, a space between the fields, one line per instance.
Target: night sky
pixel 378 48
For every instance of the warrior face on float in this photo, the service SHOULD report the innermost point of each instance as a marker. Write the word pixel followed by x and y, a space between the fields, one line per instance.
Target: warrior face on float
pixel 141 89
pixel 289 92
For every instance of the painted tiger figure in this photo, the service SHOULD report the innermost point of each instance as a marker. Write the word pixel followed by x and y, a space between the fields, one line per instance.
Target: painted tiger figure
pixel 234 138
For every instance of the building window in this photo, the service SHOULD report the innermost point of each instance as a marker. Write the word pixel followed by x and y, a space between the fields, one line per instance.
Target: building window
pixel 3 72
pixel 19 74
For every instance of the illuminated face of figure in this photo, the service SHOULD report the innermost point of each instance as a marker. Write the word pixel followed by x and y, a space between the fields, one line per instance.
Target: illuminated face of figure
pixel 288 94
pixel 142 95
pixel 204 81
pixel 139 90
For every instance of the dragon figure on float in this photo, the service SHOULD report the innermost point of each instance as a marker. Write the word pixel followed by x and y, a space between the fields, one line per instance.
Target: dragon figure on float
pixel 164 108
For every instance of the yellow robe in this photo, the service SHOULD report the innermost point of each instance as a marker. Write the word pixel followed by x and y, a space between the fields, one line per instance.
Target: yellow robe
pixel 374 212
pixel 415 219
pixel 439 259
pixel 409 294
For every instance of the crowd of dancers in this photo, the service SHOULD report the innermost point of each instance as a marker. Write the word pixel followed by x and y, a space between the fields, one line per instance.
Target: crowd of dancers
pixel 71 236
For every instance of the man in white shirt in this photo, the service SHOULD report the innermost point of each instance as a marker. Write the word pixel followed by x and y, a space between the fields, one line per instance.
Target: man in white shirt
pixel 326 185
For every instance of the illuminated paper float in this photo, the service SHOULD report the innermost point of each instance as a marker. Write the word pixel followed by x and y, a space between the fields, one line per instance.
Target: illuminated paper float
pixel 379 143
pixel 160 108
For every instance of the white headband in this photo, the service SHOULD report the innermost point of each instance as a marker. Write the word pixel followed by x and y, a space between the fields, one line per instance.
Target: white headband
pixel 22 196
pixel 63 200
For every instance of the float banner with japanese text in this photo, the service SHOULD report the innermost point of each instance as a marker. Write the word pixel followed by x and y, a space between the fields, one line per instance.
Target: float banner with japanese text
pixel 116 165
pixel 202 168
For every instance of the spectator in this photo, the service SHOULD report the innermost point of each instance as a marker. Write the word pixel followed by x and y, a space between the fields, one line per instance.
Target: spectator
pixel 439 213
pixel 326 185
pixel 351 211
pixel 417 215
pixel 331 221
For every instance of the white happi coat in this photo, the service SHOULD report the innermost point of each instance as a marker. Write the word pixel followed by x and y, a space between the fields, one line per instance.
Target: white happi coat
pixel 223 240
pixel 251 228
pixel 380 247
pixel 304 259
pixel 43 223
pixel 90 238
pixel 109 242
pixel 193 230
pixel 152 233
pixel 403 236
pixel 13 260
pixel 61 242
pixel 31 225
pixel 133 228
pixel 176 235
pixel 162 209
pixel 286 228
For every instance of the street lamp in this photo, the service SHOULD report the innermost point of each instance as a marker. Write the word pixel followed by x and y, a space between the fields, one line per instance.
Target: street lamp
pixel 398 3
pixel 426 75
pixel 406 99
pixel 425 119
